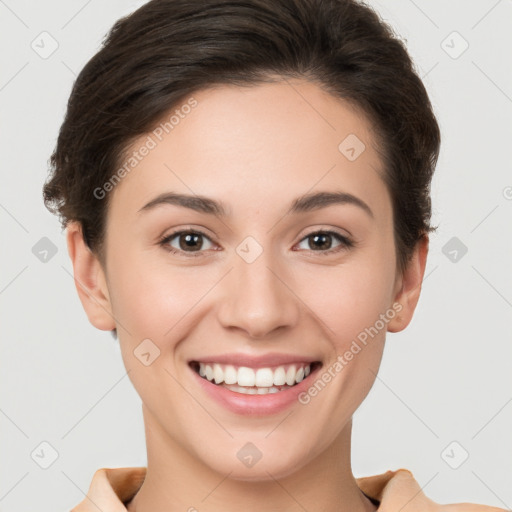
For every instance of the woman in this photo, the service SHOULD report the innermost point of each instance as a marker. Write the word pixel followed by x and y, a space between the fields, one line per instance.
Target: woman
pixel 246 192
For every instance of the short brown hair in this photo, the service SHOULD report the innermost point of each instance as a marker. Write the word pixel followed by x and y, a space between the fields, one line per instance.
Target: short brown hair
pixel 167 49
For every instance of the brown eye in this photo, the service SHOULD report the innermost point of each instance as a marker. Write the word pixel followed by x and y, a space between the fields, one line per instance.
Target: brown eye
pixel 322 242
pixel 186 242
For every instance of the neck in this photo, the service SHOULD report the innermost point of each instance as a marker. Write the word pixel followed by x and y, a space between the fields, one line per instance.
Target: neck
pixel 178 481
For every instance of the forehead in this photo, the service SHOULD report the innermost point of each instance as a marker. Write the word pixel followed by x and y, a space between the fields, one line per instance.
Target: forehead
pixel 256 144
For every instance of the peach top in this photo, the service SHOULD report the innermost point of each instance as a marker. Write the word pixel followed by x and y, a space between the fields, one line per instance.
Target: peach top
pixel 112 488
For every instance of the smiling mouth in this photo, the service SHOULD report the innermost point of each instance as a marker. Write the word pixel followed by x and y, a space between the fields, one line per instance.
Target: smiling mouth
pixel 254 381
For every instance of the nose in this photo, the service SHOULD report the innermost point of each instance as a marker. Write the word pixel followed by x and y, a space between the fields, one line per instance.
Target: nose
pixel 258 297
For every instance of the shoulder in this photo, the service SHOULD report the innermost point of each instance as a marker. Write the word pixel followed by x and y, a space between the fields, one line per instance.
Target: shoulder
pixel 399 490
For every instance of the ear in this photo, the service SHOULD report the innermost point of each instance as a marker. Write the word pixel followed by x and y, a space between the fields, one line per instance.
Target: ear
pixel 408 287
pixel 90 280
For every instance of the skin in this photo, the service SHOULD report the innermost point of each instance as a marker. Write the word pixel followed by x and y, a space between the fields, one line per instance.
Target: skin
pixel 256 149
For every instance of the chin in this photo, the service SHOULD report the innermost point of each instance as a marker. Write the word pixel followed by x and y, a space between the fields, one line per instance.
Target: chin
pixel 246 462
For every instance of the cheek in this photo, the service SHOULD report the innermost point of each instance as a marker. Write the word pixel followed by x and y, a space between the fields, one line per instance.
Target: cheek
pixel 161 302
pixel 154 306
pixel 151 298
pixel 351 298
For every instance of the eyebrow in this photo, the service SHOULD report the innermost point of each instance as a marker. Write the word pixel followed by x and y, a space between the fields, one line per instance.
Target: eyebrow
pixel 306 203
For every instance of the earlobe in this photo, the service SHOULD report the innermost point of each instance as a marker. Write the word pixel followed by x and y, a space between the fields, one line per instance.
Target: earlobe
pixel 408 294
pixel 90 279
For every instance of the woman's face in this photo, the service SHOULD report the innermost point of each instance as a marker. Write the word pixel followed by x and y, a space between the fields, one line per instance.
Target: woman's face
pixel 269 284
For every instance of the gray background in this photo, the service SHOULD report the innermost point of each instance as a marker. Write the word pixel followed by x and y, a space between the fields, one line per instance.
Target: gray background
pixel 445 379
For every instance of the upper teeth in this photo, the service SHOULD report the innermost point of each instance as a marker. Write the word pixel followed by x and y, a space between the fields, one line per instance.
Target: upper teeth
pixel 261 377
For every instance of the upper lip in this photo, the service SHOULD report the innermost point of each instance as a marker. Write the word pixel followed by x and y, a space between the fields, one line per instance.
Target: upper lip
pixel 252 361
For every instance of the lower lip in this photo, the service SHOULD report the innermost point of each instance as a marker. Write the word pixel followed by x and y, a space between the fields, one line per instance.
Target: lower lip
pixel 254 405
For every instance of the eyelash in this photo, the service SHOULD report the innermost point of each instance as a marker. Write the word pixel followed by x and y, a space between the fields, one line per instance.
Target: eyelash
pixel 346 243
